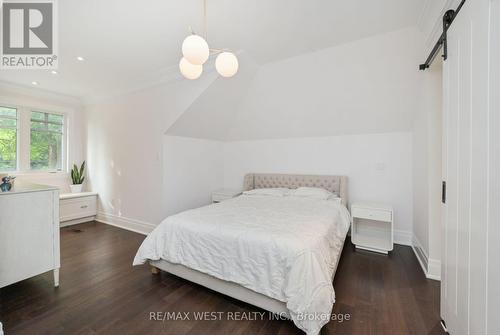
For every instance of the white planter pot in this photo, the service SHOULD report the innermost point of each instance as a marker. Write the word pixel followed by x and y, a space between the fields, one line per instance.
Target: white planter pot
pixel 76 188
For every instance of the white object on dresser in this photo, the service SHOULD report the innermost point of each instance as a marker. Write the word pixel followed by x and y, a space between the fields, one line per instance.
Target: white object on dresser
pixel 372 227
pixel 29 233
pixel 224 194
pixel 77 208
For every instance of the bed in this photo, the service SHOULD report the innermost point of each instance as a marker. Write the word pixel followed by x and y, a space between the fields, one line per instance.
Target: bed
pixel 279 253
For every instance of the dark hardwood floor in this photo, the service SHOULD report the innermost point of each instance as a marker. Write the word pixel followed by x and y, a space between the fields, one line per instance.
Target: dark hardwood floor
pixel 102 293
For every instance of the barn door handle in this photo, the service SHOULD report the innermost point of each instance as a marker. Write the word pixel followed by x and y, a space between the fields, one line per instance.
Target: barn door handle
pixel 443 192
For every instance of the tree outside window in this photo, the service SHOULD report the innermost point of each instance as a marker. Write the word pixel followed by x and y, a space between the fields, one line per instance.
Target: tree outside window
pixel 8 139
pixel 46 138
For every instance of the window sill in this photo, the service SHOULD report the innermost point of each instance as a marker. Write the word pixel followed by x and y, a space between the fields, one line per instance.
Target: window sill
pixel 36 173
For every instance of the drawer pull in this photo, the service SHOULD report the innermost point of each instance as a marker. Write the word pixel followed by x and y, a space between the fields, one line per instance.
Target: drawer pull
pixel 84 206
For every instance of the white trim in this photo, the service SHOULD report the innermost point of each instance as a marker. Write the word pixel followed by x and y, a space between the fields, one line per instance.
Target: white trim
pixel 420 253
pixel 23 129
pixel 166 76
pixel 403 237
pixel 430 266
pixel 61 100
pixel 434 269
pixel 136 226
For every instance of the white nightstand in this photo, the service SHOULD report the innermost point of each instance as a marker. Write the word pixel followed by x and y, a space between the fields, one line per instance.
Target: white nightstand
pixel 372 227
pixel 224 194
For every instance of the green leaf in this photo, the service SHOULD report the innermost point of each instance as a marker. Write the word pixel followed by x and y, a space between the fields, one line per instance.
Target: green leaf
pixel 82 168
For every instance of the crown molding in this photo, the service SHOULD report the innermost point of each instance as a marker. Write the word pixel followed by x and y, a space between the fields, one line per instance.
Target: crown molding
pixel 169 75
pixel 10 89
pixel 165 76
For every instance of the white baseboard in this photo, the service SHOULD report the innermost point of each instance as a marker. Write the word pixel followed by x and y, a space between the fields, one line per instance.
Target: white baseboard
pixel 403 237
pixel 136 226
pixel 430 266
pixel 420 253
pixel 434 269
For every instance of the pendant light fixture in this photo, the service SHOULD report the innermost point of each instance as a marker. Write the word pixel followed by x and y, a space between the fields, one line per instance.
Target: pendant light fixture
pixel 226 64
pixel 190 71
pixel 195 51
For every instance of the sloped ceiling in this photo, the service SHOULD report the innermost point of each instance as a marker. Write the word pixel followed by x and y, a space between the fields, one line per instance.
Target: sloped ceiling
pixel 131 44
pixel 366 86
pixel 212 114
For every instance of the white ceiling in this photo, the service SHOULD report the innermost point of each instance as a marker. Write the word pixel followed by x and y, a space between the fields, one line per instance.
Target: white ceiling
pixel 131 44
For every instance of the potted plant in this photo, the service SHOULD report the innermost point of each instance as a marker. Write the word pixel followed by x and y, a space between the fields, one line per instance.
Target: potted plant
pixel 77 177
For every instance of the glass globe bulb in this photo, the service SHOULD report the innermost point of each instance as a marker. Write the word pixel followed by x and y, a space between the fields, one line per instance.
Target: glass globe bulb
pixel 226 64
pixel 195 50
pixel 190 71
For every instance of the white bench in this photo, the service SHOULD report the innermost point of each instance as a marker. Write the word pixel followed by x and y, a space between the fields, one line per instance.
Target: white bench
pixel 77 208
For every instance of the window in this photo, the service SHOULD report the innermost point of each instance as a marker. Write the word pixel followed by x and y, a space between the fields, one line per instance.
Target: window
pixel 46 138
pixel 32 140
pixel 8 139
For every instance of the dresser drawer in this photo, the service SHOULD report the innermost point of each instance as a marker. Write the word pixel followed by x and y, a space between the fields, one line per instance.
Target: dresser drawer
pixel 371 214
pixel 77 208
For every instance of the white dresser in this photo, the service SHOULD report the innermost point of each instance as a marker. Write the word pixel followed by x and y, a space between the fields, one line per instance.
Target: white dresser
pixel 29 233
pixel 77 208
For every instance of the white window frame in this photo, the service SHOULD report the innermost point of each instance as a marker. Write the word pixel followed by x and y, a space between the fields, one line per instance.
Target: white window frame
pixel 24 139
pixel 17 137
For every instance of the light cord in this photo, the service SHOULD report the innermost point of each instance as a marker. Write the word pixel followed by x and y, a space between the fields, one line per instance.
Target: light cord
pixel 205 19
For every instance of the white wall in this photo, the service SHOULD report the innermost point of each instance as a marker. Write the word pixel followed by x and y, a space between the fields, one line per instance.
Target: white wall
pixel 379 166
pixel 130 159
pixel 24 97
pixel 193 169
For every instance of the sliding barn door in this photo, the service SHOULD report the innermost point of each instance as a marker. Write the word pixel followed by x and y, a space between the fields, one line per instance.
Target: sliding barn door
pixel 471 254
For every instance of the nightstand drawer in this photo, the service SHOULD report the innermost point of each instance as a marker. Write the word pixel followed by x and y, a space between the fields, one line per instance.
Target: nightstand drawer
pixel 371 214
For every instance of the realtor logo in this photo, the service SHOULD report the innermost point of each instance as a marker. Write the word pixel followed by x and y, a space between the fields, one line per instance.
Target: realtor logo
pixel 28 35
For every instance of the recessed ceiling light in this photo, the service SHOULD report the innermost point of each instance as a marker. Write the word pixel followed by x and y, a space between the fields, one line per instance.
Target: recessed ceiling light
pixel 80 58
pixel 34 83
pixel 54 72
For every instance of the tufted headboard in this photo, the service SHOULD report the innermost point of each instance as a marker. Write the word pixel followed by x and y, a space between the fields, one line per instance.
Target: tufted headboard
pixel 336 184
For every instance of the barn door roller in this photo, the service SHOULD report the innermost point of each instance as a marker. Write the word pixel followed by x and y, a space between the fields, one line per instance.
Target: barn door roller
pixel 448 18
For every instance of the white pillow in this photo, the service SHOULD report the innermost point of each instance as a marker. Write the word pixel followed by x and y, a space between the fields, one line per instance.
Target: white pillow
pixel 274 192
pixel 312 192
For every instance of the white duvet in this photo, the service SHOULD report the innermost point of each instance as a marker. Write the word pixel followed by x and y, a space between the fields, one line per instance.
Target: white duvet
pixel 283 247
